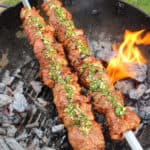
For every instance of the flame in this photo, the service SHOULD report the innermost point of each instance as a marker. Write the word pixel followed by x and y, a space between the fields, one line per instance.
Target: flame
pixel 127 54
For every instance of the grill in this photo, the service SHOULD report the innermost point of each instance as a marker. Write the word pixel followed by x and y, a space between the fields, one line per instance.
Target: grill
pixel 40 128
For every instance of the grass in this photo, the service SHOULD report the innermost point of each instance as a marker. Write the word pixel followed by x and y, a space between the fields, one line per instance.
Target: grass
pixel 144 5
pixel 11 2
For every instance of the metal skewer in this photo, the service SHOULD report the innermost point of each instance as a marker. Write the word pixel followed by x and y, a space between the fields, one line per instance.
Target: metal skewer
pixel 132 140
pixel 129 135
pixel 26 3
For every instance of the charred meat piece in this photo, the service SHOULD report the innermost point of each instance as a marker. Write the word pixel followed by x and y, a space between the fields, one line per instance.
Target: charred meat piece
pixel 90 71
pixel 73 108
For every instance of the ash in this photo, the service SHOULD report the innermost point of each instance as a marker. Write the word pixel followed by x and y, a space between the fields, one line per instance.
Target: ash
pixel 28 118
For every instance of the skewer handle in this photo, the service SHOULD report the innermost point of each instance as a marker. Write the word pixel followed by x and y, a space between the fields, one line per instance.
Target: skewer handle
pixel 26 3
pixel 132 140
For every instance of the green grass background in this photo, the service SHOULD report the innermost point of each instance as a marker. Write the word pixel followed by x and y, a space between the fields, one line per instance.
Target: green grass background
pixel 11 2
pixel 144 5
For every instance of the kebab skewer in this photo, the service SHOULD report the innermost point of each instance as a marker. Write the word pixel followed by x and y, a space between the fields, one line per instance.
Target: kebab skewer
pixel 92 74
pixel 73 108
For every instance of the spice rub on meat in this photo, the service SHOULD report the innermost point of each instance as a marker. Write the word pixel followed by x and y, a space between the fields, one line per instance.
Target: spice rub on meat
pixel 90 71
pixel 73 108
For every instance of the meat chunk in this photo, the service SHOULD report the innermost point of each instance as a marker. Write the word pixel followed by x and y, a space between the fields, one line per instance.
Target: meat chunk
pixel 73 108
pixel 90 71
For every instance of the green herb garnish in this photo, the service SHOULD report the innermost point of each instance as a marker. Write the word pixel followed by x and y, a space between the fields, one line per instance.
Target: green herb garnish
pixel 83 49
pixel 97 84
pixel 57 75
pixel 79 118
pixel 69 26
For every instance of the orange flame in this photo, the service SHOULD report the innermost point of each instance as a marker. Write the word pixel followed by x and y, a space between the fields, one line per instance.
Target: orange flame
pixel 127 54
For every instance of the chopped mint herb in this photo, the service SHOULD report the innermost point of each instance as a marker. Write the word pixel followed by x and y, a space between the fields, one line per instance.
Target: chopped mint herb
pixel 83 49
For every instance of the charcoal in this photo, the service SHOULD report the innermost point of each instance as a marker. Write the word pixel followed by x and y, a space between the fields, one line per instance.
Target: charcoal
pixel 146 96
pixel 4 60
pixel 22 137
pixel 23 143
pixel 140 71
pixel 2 131
pixel 7 79
pixel 145 136
pixel 62 139
pixel 19 88
pixel 6 124
pixel 2 88
pixel 40 106
pixel 11 131
pixel 36 141
pixel 44 121
pixel 143 103
pixel 1 117
pixel 42 102
pixel 3 145
pixel 32 147
pixel 57 128
pixel 13 144
pixel 138 92
pixel 7 118
pixel 95 45
pixel 102 45
pixel 45 140
pixel 33 125
pixel 17 73
pixel 147 91
pixel 11 113
pixel 148 74
pixel 33 109
pixel 144 112
pixel 38 132
pixel 27 58
pixel 8 91
pixel 47 148
pixel 38 128
pixel 102 49
pixel 124 86
pixel 37 86
pixel 5 100
pixel 105 55
pixel 20 103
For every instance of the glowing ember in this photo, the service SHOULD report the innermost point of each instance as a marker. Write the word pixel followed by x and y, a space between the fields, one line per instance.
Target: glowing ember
pixel 128 54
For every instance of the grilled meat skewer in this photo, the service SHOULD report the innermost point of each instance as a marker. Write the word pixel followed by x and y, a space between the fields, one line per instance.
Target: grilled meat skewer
pixel 90 71
pixel 73 108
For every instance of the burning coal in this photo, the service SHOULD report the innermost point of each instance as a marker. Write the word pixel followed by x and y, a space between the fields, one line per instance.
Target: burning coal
pixel 127 55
